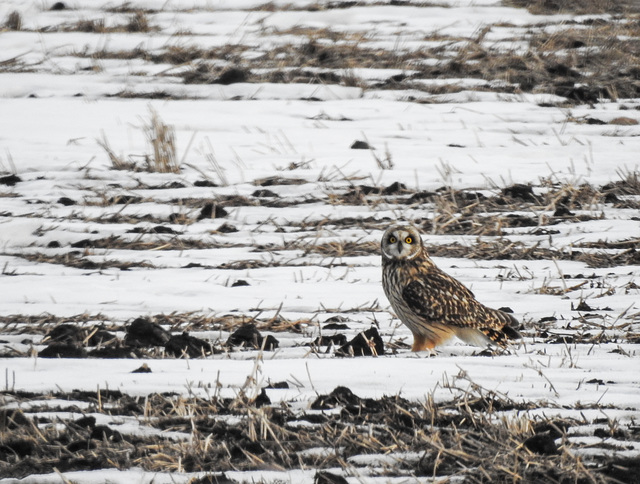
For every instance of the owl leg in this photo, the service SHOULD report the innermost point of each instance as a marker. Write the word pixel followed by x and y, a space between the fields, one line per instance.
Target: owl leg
pixel 422 342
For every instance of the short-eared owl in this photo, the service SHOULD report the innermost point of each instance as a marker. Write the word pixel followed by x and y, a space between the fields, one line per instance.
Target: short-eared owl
pixel 434 305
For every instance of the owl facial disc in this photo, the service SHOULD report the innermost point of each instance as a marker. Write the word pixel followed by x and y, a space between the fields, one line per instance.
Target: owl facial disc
pixel 401 243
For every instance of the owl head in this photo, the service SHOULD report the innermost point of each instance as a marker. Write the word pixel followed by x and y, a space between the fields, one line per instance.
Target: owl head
pixel 401 242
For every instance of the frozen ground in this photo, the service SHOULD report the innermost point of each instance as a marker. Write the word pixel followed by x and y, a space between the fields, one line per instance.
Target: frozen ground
pixel 529 196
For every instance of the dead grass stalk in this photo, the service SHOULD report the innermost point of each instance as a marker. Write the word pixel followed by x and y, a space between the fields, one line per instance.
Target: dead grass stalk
pixel 161 138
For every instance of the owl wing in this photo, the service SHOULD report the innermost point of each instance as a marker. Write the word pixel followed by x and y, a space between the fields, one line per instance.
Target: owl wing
pixel 440 298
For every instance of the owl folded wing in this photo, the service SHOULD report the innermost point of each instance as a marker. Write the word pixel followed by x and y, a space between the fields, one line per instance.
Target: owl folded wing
pixel 439 298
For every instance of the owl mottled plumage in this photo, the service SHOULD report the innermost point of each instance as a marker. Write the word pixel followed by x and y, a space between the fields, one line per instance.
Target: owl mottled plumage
pixel 434 305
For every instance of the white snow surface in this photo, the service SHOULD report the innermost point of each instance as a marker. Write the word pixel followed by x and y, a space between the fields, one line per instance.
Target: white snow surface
pixel 52 113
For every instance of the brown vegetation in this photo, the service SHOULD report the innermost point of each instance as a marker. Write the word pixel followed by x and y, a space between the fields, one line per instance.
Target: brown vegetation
pixel 585 7
pixel 465 437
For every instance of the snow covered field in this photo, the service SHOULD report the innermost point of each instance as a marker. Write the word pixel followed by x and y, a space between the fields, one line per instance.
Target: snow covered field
pixel 302 130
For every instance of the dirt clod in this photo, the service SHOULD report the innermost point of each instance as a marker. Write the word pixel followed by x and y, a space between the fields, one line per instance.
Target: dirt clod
pixel 367 343
pixel 248 336
pixel 143 333
pixel 185 345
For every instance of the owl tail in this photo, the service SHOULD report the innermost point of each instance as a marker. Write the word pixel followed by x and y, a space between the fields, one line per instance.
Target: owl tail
pixel 508 330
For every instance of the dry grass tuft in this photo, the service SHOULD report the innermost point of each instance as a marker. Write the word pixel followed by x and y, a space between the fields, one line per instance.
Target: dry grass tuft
pixel 117 162
pixel 138 22
pixel 96 26
pixel 13 21
pixel 161 137
pixel 628 184
pixel 344 248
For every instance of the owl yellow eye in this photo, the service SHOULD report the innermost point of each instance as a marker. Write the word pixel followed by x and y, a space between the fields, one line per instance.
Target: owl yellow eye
pixel 409 240
pixel 392 240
